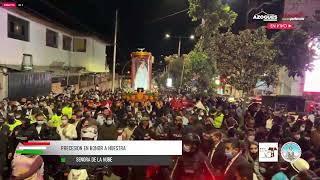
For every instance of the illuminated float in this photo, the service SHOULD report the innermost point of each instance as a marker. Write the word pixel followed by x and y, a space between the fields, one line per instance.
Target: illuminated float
pixel 141 77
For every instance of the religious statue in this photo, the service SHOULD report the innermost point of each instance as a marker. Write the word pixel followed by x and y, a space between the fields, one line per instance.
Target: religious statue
pixel 141 79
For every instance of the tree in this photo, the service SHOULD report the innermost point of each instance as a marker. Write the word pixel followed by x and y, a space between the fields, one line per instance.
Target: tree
pixel 245 58
pixel 293 52
pixel 175 64
pixel 198 70
pixel 213 15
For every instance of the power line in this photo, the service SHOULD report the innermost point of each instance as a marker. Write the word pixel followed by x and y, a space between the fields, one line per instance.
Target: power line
pixel 170 15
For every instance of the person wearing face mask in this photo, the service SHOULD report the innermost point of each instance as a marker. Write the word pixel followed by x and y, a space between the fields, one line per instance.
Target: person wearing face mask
pixel 193 164
pixel 252 156
pixel 43 131
pixel 66 130
pixel 234 153
pixel 4 143
pixel 216 154
pixel 108 131
pixel 12 122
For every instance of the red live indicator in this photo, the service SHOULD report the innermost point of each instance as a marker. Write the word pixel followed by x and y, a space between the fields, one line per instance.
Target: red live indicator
pixel 282 25
pixel 9 5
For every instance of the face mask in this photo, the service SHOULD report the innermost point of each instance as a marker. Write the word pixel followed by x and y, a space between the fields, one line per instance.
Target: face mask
pixel 251 138
pixel 109 122
pixel 186 148
pixel 40 122
pixel 228 154
pixel 120 131
pixel 64 122
pixel 201 113
pixel 18 117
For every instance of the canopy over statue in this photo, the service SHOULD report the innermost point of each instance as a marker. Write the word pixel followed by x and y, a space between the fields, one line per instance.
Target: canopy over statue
pixel 141 70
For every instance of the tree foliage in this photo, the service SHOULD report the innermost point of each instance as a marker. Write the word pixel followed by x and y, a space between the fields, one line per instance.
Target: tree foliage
pixel 293 52
pixel 213 15
pixel 198 70
pixel 245 58
pixel 175 65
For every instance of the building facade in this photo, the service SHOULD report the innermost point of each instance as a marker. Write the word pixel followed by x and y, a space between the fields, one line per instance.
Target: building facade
pixel 30 42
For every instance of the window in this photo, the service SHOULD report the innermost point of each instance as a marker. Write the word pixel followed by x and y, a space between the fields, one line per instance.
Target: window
pixel 18 28
pixel 52 38
pixel 27 62
pixel 67 43
pixel 316 15
pixel 79 45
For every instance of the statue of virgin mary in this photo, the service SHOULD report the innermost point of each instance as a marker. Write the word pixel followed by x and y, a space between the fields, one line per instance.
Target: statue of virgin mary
pixel 141 79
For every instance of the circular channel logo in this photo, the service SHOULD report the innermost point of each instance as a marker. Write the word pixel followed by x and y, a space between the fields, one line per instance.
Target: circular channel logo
pixel 290 151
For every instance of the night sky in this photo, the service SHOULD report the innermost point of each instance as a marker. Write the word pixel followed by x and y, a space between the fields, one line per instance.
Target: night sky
pixel 139 26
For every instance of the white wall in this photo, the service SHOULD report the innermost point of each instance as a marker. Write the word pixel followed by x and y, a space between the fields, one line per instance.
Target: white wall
pixel 12 50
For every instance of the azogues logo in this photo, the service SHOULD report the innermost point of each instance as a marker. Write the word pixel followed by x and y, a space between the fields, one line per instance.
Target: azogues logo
pixel 265 16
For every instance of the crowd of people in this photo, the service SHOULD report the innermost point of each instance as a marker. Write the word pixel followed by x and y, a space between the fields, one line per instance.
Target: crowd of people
pixel 220 139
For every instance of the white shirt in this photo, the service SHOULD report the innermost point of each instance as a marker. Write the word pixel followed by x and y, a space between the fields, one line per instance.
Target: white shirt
pixel 212 152
pixel 38 129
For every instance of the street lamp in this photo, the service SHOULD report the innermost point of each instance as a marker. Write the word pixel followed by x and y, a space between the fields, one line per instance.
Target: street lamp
pixel 191 37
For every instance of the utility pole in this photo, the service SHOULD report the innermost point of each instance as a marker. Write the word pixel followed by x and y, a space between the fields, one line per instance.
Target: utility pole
pixel 114 53
pixel 179 47
pixel 179 56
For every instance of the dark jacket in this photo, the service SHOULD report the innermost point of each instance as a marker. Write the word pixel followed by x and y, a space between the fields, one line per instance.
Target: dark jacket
pixel 46 133
pixel 4 138
pixel 218 158
pixel 175 132
pixel 141 133
pixel 230 173
pixel 260 119
pixel 191 167
pixel 106 132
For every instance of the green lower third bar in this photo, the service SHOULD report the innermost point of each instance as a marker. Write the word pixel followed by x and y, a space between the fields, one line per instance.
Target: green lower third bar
pixel 29 151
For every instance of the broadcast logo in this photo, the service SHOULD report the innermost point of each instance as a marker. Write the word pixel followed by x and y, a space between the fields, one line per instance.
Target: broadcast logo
pixel 290 151
pixel 268 152
pixel 265 16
